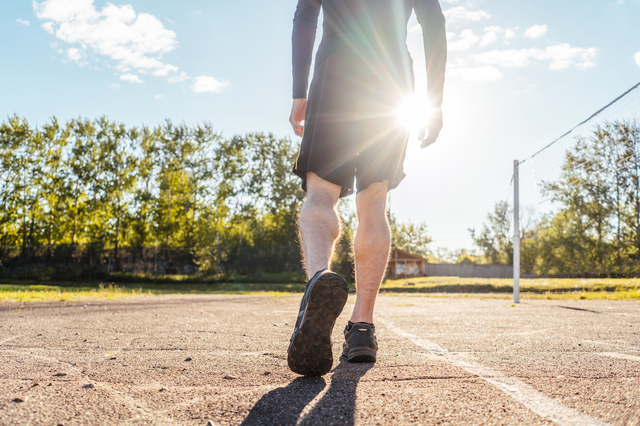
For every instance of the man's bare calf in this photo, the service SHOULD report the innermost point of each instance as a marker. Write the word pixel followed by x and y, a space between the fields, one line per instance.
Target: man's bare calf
pixel 371 248
pixel 320 230
pixel 319 223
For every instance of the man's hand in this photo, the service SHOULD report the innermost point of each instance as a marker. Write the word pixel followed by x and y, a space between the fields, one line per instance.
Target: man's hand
pixel 296 118
pixel 434 127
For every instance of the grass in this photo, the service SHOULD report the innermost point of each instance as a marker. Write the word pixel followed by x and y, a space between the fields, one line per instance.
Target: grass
pixel 44 275
pixel 38 293
pixel 21 292
pixel 541 288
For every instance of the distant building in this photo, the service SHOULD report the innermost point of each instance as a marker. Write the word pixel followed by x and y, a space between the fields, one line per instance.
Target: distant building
pixel 403 264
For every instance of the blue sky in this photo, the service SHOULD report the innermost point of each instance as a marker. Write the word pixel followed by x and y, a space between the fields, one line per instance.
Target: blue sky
pixel 519 75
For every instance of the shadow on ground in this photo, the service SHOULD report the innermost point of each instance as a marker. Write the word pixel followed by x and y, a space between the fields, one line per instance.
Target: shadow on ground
pixel 336 407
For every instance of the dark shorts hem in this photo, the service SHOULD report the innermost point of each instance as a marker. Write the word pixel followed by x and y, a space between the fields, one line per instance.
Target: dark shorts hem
pixel 302 174
pixel 348 190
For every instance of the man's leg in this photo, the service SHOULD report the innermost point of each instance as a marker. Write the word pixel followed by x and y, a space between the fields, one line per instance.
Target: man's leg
pixel 371 247
pixel 319 223
pixel 310 351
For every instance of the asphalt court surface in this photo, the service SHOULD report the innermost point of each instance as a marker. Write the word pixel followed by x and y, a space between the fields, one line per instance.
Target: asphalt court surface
pixel 221 360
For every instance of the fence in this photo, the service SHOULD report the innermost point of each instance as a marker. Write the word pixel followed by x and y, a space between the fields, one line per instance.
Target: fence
pixel 92 261
pixel 468 270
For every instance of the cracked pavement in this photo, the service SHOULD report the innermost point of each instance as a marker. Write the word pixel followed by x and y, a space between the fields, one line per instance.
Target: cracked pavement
pixel 221 359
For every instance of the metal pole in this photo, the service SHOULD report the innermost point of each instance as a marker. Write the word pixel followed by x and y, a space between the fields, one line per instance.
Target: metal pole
pixel 217 253
pixel 516 235
pixel 155 259
pixel 26 276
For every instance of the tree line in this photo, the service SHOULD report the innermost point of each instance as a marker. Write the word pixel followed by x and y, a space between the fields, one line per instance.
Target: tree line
pixel 96 191
pixel 595 231
pixel 100 183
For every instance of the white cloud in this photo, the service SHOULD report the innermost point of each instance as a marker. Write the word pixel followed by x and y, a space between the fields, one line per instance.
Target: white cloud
pixel 466 40
pixel 48 27
pixel 477 74
pixel 637 58
pixel 535 31
pixel 482 51
pixel 74 54
pixel 509 58
pixel 560 57
pixel 489 38
pixel 131 78
pixel 492 32
pixel 23 22
pixel 462 14
pixel 494 29
pixel 563 56
pixel 114 86
pixel 158 96
pixel 164 71
pixel 416 29
pixel 178 78
pixel 203 83
pixel 135 41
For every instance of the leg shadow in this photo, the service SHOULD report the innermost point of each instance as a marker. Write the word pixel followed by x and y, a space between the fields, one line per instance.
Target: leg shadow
pixel 283 406
pixel 338 405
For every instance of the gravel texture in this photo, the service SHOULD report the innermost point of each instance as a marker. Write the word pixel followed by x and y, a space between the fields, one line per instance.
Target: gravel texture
pixel 221 360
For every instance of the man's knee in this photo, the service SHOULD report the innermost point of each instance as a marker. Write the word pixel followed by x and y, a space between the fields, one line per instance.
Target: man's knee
pixel 318 187
pixel 373 200
pixel 319 208
pixel 322 196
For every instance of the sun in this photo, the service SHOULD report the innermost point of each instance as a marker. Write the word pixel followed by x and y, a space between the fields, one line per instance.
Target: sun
pixel 413 113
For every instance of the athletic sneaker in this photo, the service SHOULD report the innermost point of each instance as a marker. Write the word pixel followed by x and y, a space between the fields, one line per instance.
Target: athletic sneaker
pixel 360 342
pixel 310 352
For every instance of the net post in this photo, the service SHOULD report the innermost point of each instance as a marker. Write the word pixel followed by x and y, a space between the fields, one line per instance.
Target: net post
pixel 516 234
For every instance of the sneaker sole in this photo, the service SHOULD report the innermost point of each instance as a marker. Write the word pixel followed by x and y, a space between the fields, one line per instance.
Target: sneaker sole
pixel 310 352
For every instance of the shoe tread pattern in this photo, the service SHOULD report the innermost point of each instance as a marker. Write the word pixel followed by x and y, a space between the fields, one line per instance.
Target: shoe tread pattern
pixel 310 352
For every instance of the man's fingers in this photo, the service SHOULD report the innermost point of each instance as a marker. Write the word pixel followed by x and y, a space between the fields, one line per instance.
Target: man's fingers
pixel 434 129
pixel 297 127
pixel 297 115
pixel 422 133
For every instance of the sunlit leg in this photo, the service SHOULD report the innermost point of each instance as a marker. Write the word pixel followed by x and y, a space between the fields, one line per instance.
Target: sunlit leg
pixel 371 247
pixel 319 223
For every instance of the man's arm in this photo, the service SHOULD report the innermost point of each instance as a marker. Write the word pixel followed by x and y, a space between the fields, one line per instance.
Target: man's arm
pixel 305 23
pixel 432 21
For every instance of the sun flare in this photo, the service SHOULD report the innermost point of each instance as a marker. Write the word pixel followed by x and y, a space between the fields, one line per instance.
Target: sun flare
pixel 413 113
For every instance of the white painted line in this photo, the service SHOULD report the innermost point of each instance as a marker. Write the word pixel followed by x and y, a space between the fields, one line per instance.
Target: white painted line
pixel 537 402
pixel 9 339
pixel 621 356
pixel 423 343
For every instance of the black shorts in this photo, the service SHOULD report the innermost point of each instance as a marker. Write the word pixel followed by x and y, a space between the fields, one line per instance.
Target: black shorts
pixel 351 127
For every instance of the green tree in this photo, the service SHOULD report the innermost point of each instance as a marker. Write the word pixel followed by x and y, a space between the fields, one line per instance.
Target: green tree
pixel 494 239
pixel 15 135
pixel 116 177
pixel 144 192
pixel 51 179
pixel 410 236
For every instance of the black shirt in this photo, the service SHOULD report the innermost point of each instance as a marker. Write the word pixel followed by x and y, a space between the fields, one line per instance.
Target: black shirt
pixel 368 24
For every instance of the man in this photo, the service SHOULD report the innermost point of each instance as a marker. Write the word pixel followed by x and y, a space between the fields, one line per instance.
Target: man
pixel 362 73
